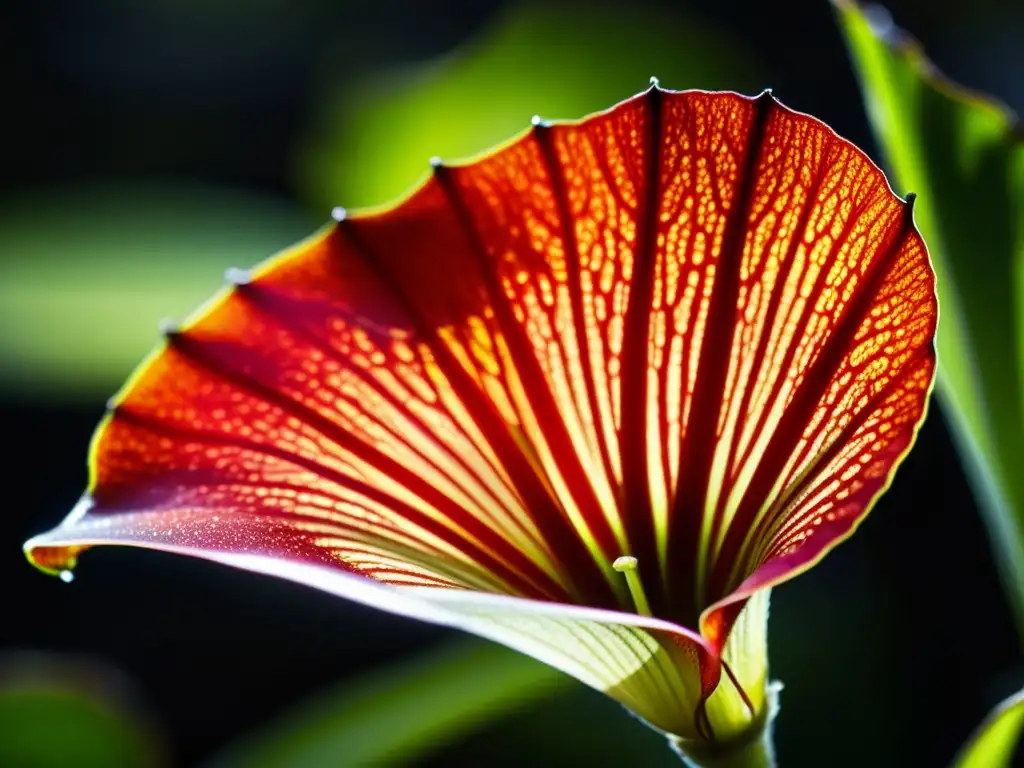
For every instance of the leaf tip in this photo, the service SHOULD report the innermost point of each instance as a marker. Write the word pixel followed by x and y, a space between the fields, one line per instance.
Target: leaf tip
pixel 442 174
pixel 339 214
pixel 168 327
pixel 908 210
pixel 765 100
pixel 238 276
pixel 51 560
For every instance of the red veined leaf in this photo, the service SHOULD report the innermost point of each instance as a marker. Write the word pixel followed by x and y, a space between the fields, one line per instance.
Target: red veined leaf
pixel 695 329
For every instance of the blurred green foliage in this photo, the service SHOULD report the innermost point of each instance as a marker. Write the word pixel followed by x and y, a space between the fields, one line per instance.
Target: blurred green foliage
pixel 964 155
pixel 87 273
pixel 998 738
pixel 500 706
pixel 373 140
pixel 53 713
pixel 409 709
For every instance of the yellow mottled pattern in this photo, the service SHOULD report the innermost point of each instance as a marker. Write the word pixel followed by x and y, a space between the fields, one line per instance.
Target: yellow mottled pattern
pixel 695 329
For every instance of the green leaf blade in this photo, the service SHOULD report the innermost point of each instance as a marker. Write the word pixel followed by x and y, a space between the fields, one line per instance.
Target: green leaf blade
pixel 89 270
pixel 406 711
pixel 997 739
pixel 962 153
pixel 60 711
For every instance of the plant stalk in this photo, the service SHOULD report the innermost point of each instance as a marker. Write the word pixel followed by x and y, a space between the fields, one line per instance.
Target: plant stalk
pixel 755 749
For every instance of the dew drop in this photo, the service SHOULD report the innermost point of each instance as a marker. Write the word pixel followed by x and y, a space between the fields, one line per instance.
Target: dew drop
pixel 67 576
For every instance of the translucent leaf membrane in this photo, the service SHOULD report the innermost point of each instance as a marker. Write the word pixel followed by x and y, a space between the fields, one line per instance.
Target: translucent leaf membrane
pixel 695 329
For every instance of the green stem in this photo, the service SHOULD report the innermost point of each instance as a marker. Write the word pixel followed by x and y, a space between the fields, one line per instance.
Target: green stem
pixel 754 749
pixel 756 753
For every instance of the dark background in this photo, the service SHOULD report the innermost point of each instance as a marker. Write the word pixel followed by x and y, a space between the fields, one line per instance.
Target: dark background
pixel 892 649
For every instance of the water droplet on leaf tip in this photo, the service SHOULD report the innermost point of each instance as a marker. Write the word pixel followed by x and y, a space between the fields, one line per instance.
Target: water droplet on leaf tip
pixel 168 326
pixel 67 576
pixel 237 275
